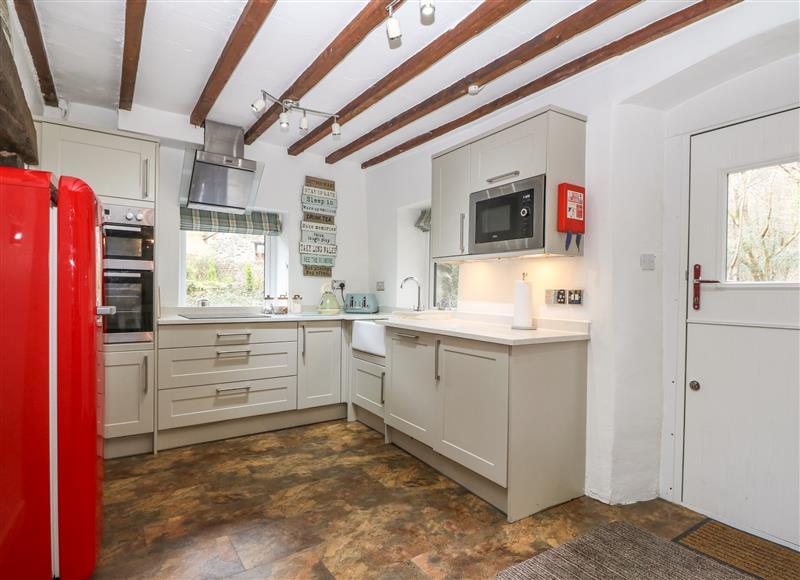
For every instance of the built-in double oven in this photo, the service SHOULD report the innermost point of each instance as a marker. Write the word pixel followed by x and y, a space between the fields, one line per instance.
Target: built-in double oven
pixel 128 251
pixel 508 218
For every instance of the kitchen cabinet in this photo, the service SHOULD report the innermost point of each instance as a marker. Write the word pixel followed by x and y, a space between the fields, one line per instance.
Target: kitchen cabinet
pixel 206 403
pixel 206 365
pixel 129 393
pixel 412 398
pixel 473 405
pixel 450 203
pixel 509 155
pixel 368 385
pixel 114 166
pixel 319 364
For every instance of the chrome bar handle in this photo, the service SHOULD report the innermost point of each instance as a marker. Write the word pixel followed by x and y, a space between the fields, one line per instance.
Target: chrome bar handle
pixel 226 389
pixel 146 372
pixel 106 310
pixel 383 380
pixel 463 218
pixel 503 176
pixel 145 189
pixel 436 360
pixel 243 333
pixel 411 336
pixel 303 326
pixel 245 351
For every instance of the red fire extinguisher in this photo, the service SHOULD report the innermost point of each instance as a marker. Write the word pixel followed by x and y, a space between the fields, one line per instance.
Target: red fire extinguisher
pixel 571 212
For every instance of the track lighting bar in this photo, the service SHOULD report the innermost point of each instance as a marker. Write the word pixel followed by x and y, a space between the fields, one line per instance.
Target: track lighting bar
pixel 290 105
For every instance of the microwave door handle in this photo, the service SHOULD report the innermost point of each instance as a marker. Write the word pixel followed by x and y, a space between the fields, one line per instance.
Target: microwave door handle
pixel 122 228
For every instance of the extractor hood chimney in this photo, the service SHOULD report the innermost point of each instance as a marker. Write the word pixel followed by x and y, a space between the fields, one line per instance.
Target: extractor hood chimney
pixel 218 178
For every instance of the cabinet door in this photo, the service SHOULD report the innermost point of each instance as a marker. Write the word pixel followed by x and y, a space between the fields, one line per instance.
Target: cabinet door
pixel 369 385
pixel 319 368
pixel 112 165
pixel 450 204
pixel 473 402
pixel 509 155
pixel 411 393
pixel 130 384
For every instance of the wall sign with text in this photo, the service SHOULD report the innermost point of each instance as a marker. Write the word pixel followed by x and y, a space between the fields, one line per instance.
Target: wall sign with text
pixel 318 229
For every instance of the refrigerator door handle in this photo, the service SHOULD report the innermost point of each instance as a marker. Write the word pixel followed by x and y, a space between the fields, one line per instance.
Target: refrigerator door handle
pixel 106 310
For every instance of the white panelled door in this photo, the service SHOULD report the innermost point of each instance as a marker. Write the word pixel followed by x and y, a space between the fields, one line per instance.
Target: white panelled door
pixel 742 435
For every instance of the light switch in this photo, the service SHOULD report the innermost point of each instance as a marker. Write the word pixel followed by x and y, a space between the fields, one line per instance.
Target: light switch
pixel 380 286
pixel 647 261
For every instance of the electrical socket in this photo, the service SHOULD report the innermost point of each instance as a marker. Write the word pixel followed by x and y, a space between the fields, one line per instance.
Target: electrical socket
pixel 380 286
pixel 575 296
pixel 337 284
pixel 561 296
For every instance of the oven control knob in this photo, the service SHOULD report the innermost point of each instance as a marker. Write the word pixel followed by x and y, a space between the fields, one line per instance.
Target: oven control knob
pixel 139 217
pixel 524 212
pixel 129 216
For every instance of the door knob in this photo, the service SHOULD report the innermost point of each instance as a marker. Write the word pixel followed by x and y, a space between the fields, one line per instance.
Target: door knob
pixel 694 385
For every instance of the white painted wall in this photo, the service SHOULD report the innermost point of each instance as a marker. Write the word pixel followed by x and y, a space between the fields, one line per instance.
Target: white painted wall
pixel 625 181
pixel 279 191
pixel 413 252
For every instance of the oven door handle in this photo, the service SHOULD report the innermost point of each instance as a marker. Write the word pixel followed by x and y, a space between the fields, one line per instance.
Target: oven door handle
pixel 122 274
pixel 122 228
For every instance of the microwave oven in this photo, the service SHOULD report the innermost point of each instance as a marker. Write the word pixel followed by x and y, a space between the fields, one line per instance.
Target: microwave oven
pixel 508 218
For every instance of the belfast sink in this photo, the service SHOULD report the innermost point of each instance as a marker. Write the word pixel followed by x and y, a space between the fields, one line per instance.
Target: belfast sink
pixel 369 337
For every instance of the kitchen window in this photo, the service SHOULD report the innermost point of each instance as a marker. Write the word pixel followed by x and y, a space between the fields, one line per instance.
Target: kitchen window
pixel 445 288
pixel 230 259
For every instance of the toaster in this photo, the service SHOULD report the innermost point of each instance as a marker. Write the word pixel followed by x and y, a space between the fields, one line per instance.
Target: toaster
pixel 360 303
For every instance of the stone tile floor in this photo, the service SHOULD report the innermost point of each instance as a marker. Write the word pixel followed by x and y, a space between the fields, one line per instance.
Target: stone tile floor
pixel 324 501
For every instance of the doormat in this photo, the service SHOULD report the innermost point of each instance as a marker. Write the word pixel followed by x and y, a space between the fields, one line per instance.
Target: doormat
pixel 750 553
pixel 620 551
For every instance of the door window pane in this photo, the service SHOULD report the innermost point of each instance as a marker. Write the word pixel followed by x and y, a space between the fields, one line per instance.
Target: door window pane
pixel 763 240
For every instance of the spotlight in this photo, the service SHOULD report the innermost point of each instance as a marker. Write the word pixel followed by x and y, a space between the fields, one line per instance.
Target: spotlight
pixel 304 122
pixel 284 120
pixel 258 105
pixel 426 9
pixel 392 26
pixel 474 89
pixel 336 129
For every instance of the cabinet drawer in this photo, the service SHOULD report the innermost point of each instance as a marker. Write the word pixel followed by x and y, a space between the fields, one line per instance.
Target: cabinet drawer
pixel 183 335
pixel 207 365
pixel 509 155
pixel 369 382
pixel 207 403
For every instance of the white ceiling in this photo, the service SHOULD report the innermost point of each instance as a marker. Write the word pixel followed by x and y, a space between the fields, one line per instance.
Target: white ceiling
pixel 183 39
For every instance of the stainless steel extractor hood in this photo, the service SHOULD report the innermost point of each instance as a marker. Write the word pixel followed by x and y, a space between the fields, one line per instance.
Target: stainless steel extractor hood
pixel 218 178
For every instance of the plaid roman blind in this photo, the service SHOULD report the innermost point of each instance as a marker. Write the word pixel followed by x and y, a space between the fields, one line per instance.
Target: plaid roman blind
pixel 257 222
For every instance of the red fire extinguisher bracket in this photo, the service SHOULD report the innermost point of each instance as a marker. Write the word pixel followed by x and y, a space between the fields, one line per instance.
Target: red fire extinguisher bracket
pixel 571 209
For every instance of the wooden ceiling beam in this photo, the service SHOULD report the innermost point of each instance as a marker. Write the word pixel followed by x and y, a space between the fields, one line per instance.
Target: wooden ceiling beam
pixel 573 25
pixel 373 14
pixel 483 17
pixel 253 15
pixel 632 41
pixel 26 12
pixel 134 25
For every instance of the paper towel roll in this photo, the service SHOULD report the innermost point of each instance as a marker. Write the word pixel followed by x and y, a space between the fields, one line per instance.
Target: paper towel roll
pixel 523 311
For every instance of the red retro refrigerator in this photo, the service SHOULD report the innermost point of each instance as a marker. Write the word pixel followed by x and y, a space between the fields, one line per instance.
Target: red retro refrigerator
pixel 51 379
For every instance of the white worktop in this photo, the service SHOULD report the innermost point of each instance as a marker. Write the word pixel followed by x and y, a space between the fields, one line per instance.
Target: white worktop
pixel 174 317
pixel 494 329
